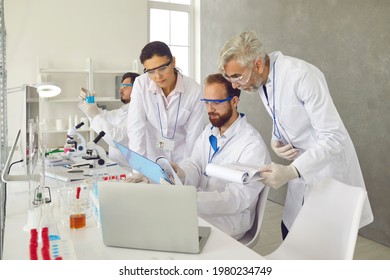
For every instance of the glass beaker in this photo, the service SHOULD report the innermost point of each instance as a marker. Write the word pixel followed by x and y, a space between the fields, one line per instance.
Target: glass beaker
pixel 77 217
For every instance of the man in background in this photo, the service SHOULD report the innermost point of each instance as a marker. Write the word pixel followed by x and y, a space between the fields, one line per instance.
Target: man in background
pixel 112 122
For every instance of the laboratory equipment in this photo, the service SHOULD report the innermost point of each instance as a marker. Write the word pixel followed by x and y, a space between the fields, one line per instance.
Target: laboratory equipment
pixel 73 147
pixel 90 97
pixel 48 221
pixel 77 218
pixel 39 193
pixel 96 153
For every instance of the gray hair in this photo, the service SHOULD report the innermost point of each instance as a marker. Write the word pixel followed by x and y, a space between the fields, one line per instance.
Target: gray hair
pixel 245 48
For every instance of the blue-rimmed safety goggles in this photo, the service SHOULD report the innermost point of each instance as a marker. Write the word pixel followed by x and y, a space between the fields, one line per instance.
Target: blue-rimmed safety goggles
pixel 126 85
pixel 215 101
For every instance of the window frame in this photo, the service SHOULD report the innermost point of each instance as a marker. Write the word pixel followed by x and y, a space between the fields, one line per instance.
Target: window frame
pixel 191 29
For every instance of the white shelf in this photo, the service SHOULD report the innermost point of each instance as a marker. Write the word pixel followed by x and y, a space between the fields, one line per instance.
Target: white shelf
pixel 107 99
pixel 66 103
pixel 66 131
pixel 113 71
pixel 33 100
pixel 63 100
pixel 97 99
pixel 61 71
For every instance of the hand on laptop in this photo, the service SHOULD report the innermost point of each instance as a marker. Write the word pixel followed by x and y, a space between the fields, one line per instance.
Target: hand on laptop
pixel 137 178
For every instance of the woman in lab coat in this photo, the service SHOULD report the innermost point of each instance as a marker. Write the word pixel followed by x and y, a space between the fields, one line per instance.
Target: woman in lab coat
pixel 165 114
pixel 307 128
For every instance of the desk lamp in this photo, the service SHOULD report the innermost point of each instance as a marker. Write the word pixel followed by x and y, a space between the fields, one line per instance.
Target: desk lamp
pixel 43 89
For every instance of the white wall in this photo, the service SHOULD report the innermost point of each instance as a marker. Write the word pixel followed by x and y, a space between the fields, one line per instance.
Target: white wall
pixel 63 34
pixel 349 41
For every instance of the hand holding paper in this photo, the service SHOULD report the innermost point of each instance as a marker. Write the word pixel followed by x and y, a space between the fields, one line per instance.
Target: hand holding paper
pixel 180 172
pixel 170 170
pixel 276 175
pixel 236 172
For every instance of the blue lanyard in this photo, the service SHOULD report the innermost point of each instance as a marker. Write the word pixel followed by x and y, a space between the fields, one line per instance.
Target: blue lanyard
pixel 213 144
pixel 275 128
pixel 177 116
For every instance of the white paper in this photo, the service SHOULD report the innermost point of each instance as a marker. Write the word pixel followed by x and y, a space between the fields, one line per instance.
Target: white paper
pixel 234 172
pixel 167 167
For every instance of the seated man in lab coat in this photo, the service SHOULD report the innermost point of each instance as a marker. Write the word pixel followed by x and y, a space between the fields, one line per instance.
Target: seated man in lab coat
pixel 114 122
pixel 229 138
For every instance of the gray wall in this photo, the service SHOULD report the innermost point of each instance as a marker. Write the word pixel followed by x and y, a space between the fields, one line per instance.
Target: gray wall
pixel 349 41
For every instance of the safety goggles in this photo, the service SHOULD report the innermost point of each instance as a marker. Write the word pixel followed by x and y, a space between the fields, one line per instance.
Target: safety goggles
pixel 215 103
pixel 241 80
pixel 126 85
pixel 162 69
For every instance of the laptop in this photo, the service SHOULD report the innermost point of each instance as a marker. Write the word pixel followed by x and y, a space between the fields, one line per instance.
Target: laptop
pixel 151 217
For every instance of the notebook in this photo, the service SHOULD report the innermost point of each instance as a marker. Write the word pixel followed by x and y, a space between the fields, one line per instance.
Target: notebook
pixel 150 216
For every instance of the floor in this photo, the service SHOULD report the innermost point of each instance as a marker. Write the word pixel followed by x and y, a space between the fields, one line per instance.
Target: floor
pixel 270 237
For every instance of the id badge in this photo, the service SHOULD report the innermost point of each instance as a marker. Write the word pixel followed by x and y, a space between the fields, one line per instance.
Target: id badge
pixel 165 144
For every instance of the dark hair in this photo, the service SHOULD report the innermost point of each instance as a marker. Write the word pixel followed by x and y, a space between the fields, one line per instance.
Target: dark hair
pixel 155 48
pixel 130 75
pixel 219 79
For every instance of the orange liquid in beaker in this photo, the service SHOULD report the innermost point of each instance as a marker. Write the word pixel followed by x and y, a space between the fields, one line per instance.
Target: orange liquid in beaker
pixel 77 221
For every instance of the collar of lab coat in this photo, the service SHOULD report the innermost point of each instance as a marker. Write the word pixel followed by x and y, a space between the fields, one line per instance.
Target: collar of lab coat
pixel 232 129
pixel 272 58
pixel 179 87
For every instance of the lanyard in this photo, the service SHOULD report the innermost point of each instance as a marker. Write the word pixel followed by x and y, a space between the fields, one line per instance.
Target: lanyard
pixel 276 128
pixel 214 142
pixel 214 145
pixel 177 116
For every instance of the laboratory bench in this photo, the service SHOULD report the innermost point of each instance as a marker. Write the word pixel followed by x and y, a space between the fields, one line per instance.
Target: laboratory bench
pixel 87 243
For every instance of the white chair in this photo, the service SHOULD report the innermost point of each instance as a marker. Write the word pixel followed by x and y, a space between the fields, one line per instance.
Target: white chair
pixel 252 236
pixel 327 225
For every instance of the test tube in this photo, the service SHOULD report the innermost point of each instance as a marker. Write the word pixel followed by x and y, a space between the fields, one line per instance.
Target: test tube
pixel 90 97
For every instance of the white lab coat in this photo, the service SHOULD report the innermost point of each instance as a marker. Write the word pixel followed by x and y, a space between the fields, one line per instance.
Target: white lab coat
pixel 228 206
pixel 114 124
pixel 152 116
pixel 308 119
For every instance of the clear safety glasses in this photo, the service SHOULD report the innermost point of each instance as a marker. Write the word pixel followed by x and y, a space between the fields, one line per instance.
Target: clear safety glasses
pixel 241 80
pixel 162 69
pixel 215 103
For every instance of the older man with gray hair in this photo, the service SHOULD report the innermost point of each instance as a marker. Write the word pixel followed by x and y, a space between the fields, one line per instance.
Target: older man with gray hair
pixel 307 129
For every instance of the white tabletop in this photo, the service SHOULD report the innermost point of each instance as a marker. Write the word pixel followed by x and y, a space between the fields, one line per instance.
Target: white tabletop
pixel 87 243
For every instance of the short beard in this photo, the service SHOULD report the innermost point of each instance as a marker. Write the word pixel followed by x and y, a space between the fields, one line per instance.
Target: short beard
pixel 222 118
pixel 256 85
pixel 125 101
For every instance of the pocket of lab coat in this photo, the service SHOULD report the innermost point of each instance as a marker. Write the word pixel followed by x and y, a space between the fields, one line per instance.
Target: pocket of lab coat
pixel 184 114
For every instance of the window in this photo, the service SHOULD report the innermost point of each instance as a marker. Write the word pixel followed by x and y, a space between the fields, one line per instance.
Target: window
pixel 170 21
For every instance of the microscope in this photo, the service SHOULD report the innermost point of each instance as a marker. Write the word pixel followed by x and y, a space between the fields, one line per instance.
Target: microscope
pixel 72 147
pixel 96 153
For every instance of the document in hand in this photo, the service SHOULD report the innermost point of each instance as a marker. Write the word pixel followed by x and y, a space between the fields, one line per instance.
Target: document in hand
pixel 154 170
pixel 235 172
pixel 168 170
